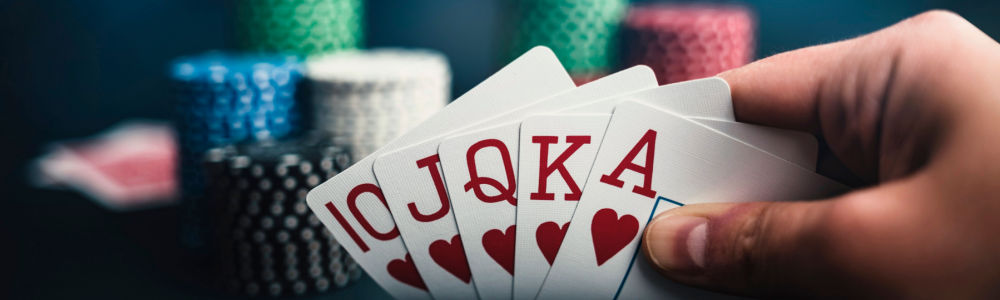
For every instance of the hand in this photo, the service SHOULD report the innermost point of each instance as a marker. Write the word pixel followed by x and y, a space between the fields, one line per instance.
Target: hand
pixel 914 110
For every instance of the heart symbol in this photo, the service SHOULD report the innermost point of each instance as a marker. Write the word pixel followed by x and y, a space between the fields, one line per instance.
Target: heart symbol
pixel 404 271
pixel 610 234
pixel 451 257
pixel 549 236
pixel 500 246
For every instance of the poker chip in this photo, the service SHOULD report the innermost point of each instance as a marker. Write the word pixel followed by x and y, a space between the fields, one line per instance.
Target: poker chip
pixel 583 34
pixel 684 42
pixel 367 98
pixel 266 246
pixel 302 27
pixel 222 99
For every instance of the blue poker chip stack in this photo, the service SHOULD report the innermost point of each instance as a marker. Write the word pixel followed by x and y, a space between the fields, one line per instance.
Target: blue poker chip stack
pixel 224 99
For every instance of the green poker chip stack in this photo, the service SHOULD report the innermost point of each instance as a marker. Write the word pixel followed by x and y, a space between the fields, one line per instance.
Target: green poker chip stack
pixel 582 33
pixel 302 27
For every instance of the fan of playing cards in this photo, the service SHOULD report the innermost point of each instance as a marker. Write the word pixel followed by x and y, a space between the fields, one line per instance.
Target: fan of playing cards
pixel 530 187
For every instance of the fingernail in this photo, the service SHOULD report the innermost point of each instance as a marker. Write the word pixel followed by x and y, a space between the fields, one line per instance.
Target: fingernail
pixel 677 242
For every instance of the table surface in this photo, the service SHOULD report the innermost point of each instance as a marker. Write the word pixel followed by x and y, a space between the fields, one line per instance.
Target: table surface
pixel 60 245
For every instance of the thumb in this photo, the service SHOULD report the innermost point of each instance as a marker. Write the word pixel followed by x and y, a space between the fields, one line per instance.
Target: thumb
pixel 777 248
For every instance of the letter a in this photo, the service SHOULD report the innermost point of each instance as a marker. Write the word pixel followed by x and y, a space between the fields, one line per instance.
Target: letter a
pixel 647 141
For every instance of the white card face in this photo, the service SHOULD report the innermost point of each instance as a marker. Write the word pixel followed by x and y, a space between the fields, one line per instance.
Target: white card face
pixel 352 206
pixel 426 221
pixel 704 98
pixel 707 100
pixel 642 281
pixel 481 172
pixel 796 147
pixel 542 223
pixel 570 144
pixel 647 154
pixel 428 229
pixel 556 152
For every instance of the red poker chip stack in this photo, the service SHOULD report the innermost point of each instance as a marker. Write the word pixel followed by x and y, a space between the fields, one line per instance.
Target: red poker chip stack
pixel 585 78
pixel 684 42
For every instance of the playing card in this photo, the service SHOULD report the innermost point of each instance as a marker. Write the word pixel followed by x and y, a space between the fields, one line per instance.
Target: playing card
pixel 701 98
pixel 413 186
pixel 796 147
pixel 542 223
pixel 129 167
pixel 647 154
pixel 352 206
pixel 709 102
pixel 486 225
pixel 481 169
pixel 556 152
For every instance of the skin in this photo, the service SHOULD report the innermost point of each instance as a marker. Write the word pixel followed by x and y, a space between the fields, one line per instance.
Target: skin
pixel 913 111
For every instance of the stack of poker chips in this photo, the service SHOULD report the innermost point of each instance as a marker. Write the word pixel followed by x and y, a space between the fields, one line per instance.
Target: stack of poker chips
pixel 223 99
pixel 270 244
pixel 302 27
pixel 367 98
pixel 582 33
pixel 684 42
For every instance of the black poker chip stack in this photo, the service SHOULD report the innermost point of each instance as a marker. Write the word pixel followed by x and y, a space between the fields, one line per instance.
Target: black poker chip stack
pixel 269 243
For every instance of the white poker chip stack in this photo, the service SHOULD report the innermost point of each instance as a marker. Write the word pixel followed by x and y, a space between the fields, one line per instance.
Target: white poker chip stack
pixel 367 98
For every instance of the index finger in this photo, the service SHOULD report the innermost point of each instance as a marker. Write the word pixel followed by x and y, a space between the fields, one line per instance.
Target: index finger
pixel 785 90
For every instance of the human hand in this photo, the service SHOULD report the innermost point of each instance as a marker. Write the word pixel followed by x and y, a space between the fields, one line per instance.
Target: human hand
pixel 912 109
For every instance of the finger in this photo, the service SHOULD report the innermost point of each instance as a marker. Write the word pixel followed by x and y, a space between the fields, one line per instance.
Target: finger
pixel 832 247
pixel 781 90
pixel 852 92
pixel 789 89
pixel 835 91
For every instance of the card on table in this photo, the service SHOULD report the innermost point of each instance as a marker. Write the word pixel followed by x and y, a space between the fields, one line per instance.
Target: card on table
pixel 648 154
pixel 126 168
pixel 351 205
pixel 412 183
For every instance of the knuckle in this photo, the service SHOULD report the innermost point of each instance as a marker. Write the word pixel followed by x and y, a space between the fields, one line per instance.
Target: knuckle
pixel 935 25
pixel 752 252
pixel 932 25
pixel 938 17
pixel 852 220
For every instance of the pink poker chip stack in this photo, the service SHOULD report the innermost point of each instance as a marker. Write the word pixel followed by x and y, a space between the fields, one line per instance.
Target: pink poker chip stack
pixel 684 42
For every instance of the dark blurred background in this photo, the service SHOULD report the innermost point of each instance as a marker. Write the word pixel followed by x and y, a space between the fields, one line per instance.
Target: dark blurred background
pixel 71 68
